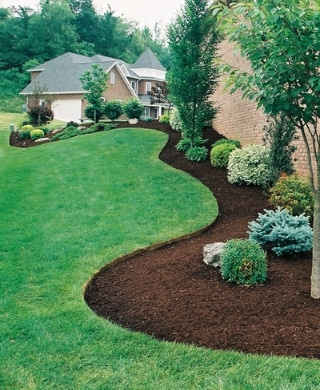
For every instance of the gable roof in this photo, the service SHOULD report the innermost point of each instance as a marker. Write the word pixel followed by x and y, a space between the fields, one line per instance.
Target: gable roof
pixel 61 75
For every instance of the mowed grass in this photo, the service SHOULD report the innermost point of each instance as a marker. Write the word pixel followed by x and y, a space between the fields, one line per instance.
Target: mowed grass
pixel 68 208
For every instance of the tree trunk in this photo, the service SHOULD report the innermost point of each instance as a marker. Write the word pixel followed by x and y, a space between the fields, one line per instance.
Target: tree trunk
pixel 315 274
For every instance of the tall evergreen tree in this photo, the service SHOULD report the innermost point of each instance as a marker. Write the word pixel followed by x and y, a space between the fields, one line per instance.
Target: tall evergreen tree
pixel 193 77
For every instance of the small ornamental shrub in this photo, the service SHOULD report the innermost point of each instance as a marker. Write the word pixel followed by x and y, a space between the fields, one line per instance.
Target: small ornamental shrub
pixel 113 109
pixel 99 127
pixel 24 132
pixel 250 165
pixel 227 141
pixel 282 232
pixel 164 119
pixel 197 153
pixel 243 262
pixel 94 112
pixel 39 116
pixel 45 130
pixel 36 134
pixel 175 120
pixel 293 194
pixel 147 118
pixel 219 155
pixel 133 108
pixel 185 143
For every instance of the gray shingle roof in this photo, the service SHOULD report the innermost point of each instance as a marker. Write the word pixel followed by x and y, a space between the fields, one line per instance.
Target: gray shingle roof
pixel 62 74
pixel 148 60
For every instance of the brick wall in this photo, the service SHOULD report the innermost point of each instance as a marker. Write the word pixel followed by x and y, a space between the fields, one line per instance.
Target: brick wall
pixel 239 118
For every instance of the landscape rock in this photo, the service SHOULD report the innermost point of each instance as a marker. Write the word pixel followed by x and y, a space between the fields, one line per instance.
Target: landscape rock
pixel 211 253
pixel 46 139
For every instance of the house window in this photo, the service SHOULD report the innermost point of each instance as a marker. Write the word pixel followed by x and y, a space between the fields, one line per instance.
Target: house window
pixel 147 112
pixel 148 86
pixel 133 85
pixel 112 77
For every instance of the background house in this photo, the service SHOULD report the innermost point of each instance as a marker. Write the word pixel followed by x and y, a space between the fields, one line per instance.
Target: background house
pixel 60 77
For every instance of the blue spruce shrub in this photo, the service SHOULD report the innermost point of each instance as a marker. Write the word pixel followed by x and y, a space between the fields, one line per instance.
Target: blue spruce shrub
pixel 243 262
pixel 282 232
pixel 250 165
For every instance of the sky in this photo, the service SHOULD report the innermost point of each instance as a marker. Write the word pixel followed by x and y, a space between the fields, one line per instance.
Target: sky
pixel 146 12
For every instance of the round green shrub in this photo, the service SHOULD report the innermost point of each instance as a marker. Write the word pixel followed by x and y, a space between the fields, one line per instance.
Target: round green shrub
pixel 183 145
pixel 282 232
pixel 133 108
pixel 227 141
pixel 36 134
pixel 113 109
pixel 197 153
pixel 250 165
pixel 243 262
pixel 293 194
pixel 219 155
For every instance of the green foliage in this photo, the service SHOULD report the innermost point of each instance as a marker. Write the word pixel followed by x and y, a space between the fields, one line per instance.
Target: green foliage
pixel 293 194
pixel 219 155
pixel 282 232
pixel 227 141
pixel 45 130
pixel 279 135
pixel 24 131
pixel 133 108
pixel 192 79
pixel 197 153
pixel 175 120
pixel 68 132
pixel 98 127
pixel 250 165
pixel 164 119
pixel 113 109
pixel 243 262
pixel 185 143
pixel 94 82
pixel 36 134
pixel 94 112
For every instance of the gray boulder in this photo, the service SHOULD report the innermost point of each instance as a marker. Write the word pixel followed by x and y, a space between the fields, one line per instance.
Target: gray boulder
pixel 211 253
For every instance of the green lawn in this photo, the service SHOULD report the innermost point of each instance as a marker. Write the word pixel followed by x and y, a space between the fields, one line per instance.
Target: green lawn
pixel 69 207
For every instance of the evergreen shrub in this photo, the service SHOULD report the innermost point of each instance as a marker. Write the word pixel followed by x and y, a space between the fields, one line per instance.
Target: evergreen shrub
pixel 197 153
pixel 66 133
pixel 133 108
pixel 293 194
pixel 226 141
pixel 243 262
pixel 113 109
pixel 36 134
pixel 282 232
pixel 250 165
pixel 219 155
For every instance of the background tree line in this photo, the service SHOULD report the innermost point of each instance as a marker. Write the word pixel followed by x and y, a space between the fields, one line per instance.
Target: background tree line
pixel 29 37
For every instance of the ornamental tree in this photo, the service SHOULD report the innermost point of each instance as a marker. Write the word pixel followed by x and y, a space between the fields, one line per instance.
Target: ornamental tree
pixel 193 78
pixel 281 41
pixel 94 83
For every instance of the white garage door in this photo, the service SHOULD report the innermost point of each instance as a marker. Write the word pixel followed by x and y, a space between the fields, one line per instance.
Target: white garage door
pixel 67 109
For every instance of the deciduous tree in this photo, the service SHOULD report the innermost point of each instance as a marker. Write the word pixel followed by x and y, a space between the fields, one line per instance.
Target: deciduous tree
pixel 281 41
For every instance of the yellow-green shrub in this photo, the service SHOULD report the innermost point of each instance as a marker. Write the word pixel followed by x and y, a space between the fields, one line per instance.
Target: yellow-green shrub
pixel 36 134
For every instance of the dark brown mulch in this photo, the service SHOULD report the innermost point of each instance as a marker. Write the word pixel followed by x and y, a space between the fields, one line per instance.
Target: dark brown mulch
pixel 171 294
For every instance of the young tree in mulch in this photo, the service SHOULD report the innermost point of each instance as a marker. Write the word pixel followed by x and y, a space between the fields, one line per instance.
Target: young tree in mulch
pixel 192 79
pixel 281 41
